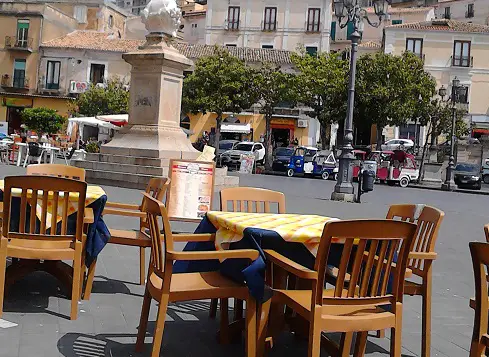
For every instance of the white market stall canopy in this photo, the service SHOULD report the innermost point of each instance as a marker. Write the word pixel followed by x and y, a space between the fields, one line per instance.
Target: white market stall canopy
pixel 235 128
pixel 115 118
pixel 90 121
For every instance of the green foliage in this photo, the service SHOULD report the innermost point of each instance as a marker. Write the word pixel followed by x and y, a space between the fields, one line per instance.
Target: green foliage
pixel 220 83
pixel 42 120
pixel 322 86
pixel 391 90
pixel 273 86
pixel 113 99
pixel 92 147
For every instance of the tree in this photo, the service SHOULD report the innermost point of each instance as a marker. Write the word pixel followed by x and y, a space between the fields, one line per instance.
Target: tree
pixel 42 120
pixel 220 83
pixel 113 98
pixel 273 87
pixel 322 83
pixel 391 90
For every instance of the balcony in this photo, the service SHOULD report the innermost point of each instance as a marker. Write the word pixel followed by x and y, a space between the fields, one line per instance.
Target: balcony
pixel 15 83
pixel 312 27
pixel 268 26
pixel 50 88
pixel 462 61
pixel 18 43
pixel 232 25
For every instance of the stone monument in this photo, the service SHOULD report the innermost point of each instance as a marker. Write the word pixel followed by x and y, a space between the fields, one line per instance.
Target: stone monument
pixel 153 136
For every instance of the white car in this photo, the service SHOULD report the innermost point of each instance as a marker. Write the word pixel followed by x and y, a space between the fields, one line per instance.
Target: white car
pixel 398 144
pixel 232 157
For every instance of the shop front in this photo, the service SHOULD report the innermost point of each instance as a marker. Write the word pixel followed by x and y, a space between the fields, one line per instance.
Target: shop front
pixel 283 132
pixel 13 109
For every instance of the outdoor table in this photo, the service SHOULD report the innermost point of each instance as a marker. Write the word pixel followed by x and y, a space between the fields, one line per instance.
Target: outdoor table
pixel 97 235
pixel 45 149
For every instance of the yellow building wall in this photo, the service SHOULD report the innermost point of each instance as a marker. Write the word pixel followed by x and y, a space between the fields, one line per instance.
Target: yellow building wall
pixel 59 104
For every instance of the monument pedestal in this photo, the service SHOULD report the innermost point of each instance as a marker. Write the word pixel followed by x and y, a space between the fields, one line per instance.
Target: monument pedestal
pixel 153 136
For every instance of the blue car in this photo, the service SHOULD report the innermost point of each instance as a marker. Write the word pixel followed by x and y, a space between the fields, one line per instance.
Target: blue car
pixel 312 162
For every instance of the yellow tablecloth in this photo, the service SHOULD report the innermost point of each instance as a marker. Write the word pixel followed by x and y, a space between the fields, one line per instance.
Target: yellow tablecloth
pixel 93 194
pixel 294 228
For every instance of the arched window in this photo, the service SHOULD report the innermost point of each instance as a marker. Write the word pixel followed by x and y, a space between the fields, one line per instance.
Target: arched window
pixel 111 21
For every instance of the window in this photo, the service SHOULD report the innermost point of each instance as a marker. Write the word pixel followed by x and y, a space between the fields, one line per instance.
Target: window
pixel 447 13
pixel 22 33
pixel 233 17
pixel 230 45
pixel 270 21
pixel 193 30
pixel 350 28
pixel 470 11
pixel 333 30
pixel 463 95
pixel 461 54
pixel 136 11
pixel 19 73
pixel 313 16
pixel 267 46
pixel 52 75
pixel 97 73
pixel 415 45
pixel 80 14
pixel 396 22
pixel 111 21
pixel 312 50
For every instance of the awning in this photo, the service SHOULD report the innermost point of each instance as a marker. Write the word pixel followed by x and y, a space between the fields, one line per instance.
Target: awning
pixel 116 119
pixel 92 121
pixel 235 128
pixel 480 131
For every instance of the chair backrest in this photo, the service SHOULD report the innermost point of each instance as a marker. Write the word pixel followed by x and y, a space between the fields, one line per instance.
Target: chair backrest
pixel 428 221
pixel 156 189
pixel 251 199
pixel 57 170
pixel 40 197
pixel 34 149
pixel 480 261
pixel 365 267
pixel 161 241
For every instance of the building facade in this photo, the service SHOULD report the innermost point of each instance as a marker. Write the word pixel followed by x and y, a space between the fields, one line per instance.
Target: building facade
pixel 474 11
pixel 449 49
pixel 283 24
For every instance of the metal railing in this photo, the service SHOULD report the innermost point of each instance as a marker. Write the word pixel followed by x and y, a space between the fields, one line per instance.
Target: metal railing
pixel 14 82
pixel 18 42
pixel 269 25
pixel 462 61
pixel 312 26
pixel 232 25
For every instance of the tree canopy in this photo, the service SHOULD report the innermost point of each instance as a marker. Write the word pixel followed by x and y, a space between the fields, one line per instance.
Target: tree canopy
pixel 220 83
pixel 97 100
pixel 42 120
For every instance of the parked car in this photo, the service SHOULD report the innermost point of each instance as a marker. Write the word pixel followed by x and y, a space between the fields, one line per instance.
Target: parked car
pixel 281 158
pixel 398 144
pixel 225 145
pixel 232 157
pixel 468 175
pixel 485 171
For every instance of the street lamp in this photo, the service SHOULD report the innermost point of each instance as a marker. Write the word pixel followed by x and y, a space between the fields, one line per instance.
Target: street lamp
pixel 349 11
pixel 457 92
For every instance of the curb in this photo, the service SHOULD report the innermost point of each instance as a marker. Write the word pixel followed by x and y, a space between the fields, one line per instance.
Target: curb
pixel 435 188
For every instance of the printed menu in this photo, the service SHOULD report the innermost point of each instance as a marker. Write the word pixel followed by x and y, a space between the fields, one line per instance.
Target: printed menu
pixel 191 189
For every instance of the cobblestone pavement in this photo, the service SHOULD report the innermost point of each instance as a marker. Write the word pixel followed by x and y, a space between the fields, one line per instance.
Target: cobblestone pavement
pixel 35 321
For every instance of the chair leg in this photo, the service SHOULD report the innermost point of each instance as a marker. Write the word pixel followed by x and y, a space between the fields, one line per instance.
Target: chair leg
pixel 426 335
pixel 263 313
pixel 238 309
pixel 224 323
pixel 314 349
pixel 3 267
pixel 90 277
pixel 142 266
pixel 360 344
pixel 213 309
pixel 25 161
pixel 251 334
pixel 380 334
pixel 143 321
pixel 396 333
pixel 75 291
pixel 345 344
pixel 160 325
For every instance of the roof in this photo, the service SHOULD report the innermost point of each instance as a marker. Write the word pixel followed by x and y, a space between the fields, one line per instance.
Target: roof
pixel 100 41
pixel 370 44
pixel 194 13
pixel 12 94
pixel 402 10
pixel 443 25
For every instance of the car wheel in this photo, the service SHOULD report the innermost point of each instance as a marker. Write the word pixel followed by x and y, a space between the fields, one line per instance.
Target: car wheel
pixel 404 182
pixel 290 172
pixel 335 177
pixel 325 175
pixel 486 179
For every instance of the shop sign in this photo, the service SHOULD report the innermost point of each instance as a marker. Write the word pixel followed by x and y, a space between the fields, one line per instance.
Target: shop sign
pixel 283 121
pixel 17 102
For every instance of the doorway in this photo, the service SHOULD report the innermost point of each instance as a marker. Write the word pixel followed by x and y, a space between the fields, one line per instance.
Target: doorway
pixel 97 73
pixel 14 119
pixel 281 137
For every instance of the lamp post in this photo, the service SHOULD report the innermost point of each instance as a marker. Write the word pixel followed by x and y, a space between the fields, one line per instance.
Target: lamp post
pixel 457 91
pixel 349 11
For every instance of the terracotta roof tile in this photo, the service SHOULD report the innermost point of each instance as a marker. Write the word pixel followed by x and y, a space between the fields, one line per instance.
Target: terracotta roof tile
pixel 370 44
pixel 99 41
pixel 402 10
pixel 443 25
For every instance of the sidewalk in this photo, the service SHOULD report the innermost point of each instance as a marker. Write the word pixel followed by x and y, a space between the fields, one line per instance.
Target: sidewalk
pixel 437 187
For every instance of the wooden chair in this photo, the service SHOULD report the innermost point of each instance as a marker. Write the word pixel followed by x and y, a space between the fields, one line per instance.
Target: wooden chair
pixel 47 245
pixel 57 170
pixel 246 199
pixel 361 284
pixel 480 336
pixel 421 258
pixel 134 238
pixel 165 287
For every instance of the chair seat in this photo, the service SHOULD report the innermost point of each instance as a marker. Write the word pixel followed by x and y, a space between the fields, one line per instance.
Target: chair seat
pixel 126 237
pixel 337 318
pixel 195 286
pixel 36 249
pixel 412 288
